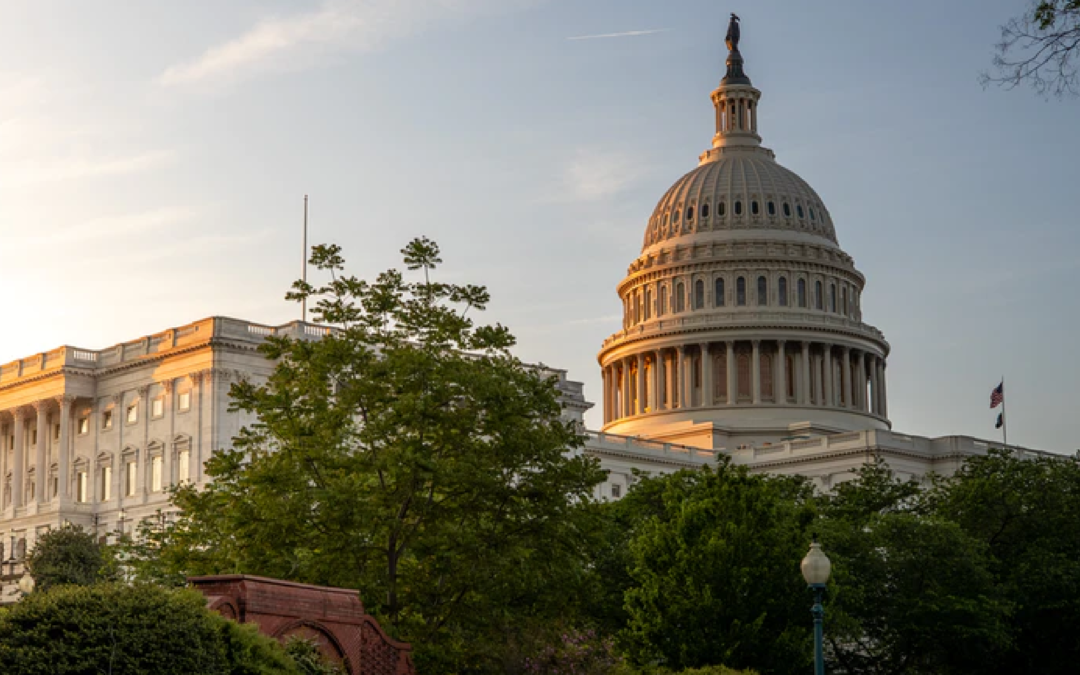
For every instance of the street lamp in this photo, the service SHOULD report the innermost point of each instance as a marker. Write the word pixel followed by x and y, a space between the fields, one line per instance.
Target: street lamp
pixel 815 569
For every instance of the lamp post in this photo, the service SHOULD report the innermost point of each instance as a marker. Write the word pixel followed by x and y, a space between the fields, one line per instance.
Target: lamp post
pixel 815 569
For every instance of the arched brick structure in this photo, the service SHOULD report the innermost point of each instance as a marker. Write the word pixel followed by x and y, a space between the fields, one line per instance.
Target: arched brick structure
pixel 333 617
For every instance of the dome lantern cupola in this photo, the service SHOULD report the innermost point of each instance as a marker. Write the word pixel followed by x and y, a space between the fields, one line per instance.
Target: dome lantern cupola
pixel 735 100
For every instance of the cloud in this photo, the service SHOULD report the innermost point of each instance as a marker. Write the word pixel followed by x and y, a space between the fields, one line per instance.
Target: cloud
pixel 107 227
pixel 629 33
pixel 299 41
pixel 596 174
pixel 36 171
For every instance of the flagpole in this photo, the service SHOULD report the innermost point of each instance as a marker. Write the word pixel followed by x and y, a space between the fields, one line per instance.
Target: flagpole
pixel 303 302
pixel 1004 417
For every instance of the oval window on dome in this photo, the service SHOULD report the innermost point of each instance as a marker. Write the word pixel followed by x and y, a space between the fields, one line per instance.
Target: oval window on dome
pixel 690 212
pixel 675 216
pixel 798 209
pixel 720 209
pixel 705 210
pixel 771 207
pixel 812 217
pixel 787 210
pixel 754 209
pixel 738 207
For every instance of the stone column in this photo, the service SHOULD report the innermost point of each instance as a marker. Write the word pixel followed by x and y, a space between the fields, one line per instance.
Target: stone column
pixel 63 476
pixel 780 374
pixel 860 381
pixel 875 393
pixel 706 376
pixel 624 402
pixel 41 469
pixel 684 385
pixel 846 366
pixel 605 382
pixel 805 363
pixel 3 462
pixel 830 395
pixel 18 459
pixel 755 371
pixel 819 390
pixel 669 381
pixel 640 404
pixel 732 376
pixel 659 376
pixel 884 390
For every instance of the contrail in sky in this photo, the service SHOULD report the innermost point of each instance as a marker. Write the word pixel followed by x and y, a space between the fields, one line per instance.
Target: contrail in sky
pixel 629 33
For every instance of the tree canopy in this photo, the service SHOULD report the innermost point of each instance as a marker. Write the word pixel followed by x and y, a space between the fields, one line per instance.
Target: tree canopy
pixel 130 630
pixel 408 454
pixel 68 555
pixel 1040 48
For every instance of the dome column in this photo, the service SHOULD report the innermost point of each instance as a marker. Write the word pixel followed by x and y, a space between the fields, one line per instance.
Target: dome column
pixel 847 378
pixel 624 399
pixel 755 370
pixel 605 381
pixel 805 363
pixel 819 384
pixel 706 376
pixel 780 374
pixel 884 390
pixel 732 382
pixel 830 399
pixel 860 374
pixel 639 400
pixel 875 391
pixel 658 380
pixel 680 370
pixel 670 374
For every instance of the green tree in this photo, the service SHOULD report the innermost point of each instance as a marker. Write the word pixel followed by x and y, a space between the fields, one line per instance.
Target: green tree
pixel 715 572
pixel 1026 512
pixel 68 555
pixel 130 630
pixel 408 454
pixel 1040 48
pixel 910 592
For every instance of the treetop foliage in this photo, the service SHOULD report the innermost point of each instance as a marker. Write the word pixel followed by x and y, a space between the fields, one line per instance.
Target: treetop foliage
pixel 1040 48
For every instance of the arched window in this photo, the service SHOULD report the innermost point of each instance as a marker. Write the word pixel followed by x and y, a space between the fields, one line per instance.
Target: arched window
pixel 738 207
pixel 832 297
pixel 648 303
pixel 718 297
pixel 699 294
pixel 744 376
pixel 781 289
pixel 740 291
pixel 762 291
pixel 766 377
pixel 798 209
pixel 719 378
pixel 812 213
pixel 720 209
pixel 663 302
pixel 787 210
pixel 675 216
pixel 754 209
pixel 680 297
pixel 705 210
pixel 772 208
pixel 819 298
pixel 802 292
pixel 843 299
pixel 690 212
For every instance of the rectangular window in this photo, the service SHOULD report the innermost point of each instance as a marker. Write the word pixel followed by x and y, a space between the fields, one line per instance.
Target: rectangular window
pixel 33 437
pixel 132 478
pixel 80 481
pixel 56 432
pixel 183 466
pixel 106 419
pixel 616 491
pixel 133 413
pixel 183 401
pixel 158 408
pixel 84 425
pixel 156 465
pixel 106 483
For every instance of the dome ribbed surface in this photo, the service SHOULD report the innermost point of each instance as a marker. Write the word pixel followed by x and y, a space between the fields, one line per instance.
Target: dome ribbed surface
pixel 720 196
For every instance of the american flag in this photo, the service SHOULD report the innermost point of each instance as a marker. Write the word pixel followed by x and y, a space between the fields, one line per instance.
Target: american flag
pixel 997 396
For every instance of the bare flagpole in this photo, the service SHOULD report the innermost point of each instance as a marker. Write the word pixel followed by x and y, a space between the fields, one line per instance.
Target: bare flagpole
pixel 303 303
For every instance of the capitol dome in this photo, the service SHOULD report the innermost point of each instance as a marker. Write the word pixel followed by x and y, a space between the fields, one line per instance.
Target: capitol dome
pixel 742 317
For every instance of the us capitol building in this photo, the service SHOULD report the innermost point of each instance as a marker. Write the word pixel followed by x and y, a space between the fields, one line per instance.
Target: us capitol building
pixel 742 335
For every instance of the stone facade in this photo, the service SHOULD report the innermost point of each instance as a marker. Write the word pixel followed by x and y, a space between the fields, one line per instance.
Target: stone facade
pixel 333 617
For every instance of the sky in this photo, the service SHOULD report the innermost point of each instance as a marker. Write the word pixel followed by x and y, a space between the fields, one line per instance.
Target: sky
pixel 154 157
